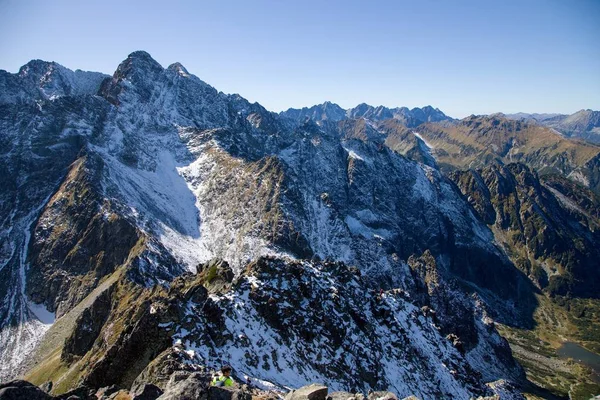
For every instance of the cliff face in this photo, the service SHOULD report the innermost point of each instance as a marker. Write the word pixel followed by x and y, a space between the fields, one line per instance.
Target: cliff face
pixel 549 228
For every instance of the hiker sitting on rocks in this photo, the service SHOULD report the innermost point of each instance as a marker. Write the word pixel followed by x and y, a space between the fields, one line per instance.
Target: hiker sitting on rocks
pixel 225 378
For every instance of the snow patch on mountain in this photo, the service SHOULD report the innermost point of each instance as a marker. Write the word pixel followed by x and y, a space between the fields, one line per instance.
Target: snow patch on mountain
pixel 429 146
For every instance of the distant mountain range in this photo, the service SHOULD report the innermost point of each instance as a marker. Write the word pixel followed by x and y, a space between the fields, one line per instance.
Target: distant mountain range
pixel 584 124
pixel 332 112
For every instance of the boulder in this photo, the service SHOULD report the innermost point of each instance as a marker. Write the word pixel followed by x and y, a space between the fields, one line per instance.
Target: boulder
pixel 147 392
pixel 382 396
pixel 310 392
pixel 82 392
pixel 164 367
pixel 18 390
pixel 344 396
pixel 411 397
pixel 228 393
pixel 194 386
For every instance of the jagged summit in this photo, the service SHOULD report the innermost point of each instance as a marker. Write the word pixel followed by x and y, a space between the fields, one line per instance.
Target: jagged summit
pixel 40 80
pixel 143 58
pixel 179 68
pixel 136 65
pixel 36 67
pixel 328 111
pixel 141 54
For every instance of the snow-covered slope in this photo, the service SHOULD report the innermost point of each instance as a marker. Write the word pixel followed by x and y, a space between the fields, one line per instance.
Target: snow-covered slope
pixel 298 322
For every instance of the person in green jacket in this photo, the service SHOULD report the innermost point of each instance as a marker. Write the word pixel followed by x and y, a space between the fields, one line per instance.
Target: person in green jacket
pixel 225 379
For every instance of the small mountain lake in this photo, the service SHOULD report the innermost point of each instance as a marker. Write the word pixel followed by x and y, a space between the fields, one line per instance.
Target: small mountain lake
pixel 581 355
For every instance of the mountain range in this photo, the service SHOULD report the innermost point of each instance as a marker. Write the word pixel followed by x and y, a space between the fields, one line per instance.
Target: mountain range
pixel 584 124
pixel 332 112
pixel 148 217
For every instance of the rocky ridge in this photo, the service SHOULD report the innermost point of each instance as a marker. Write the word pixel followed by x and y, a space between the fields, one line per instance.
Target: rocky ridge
pixel 332 112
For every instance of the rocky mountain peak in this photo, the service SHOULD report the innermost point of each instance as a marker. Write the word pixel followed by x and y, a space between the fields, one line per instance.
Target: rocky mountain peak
pixel 179 68
pixel 332 112
pixel 40 80
pixel 137 65
pixel 142 56
pixel 36 67
pixel 429 114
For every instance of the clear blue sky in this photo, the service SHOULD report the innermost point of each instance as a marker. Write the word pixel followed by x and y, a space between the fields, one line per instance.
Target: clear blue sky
pixel 461 56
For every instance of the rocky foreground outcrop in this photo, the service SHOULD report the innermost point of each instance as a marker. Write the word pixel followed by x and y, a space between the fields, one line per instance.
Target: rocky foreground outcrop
pixel 196 385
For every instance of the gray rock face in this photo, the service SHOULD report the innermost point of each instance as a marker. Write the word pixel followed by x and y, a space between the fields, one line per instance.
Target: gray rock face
pixel 171 364
pixel 515 199
pixel 267 323
pixel 310 392
pixel 345 396
pixel 42 80
pixel 228 393
pixel 194 386
pixel 147 392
